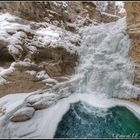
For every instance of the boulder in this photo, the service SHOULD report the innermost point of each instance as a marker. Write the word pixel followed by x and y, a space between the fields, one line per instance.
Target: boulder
pixel 23 114
pixel 38 105
pixel 41 101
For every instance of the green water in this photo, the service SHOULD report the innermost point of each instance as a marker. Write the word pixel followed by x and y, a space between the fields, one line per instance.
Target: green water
pixel 84 121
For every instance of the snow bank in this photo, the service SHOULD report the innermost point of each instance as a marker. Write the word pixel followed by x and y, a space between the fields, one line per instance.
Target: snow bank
pixel 11 101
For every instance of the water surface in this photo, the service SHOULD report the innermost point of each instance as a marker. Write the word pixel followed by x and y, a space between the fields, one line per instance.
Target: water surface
pixel 84 121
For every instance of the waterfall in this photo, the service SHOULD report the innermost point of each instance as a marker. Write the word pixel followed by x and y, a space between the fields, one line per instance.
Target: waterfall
pixel 105 68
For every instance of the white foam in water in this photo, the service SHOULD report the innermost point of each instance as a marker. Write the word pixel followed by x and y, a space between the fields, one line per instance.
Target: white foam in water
pixel 105 71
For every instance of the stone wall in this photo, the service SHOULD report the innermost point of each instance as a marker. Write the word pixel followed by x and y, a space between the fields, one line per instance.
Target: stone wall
pixel 133 28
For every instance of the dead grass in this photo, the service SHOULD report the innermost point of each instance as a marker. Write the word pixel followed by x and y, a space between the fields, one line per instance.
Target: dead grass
pixel 5 64
pixel 20 82
pixel 134 101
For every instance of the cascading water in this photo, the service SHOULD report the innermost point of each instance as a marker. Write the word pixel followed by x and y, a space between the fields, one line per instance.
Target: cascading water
pixel 105 68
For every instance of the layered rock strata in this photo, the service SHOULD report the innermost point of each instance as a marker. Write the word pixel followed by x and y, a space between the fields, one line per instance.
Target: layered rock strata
pixel 133 28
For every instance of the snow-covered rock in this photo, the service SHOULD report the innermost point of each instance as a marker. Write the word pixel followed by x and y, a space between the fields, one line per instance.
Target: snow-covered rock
pixel 23 114
pixel 41 101
pixel 40 105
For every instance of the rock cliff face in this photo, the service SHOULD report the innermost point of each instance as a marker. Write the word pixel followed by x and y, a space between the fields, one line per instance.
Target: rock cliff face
pixel 60 12
pixel 133 27
pixel 36 55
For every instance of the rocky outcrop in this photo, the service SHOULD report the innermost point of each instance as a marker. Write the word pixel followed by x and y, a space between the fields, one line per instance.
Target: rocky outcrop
pixel 56 61
pixel 20 82
pixel 36 54
pixel 85 9
pixel 52 12
pixel 27 10
pixel 106 18
pixel 58 12
pixel 90 10
pixel 133 28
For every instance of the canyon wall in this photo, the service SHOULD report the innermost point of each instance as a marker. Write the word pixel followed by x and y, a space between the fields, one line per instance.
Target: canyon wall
pixel 133 28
